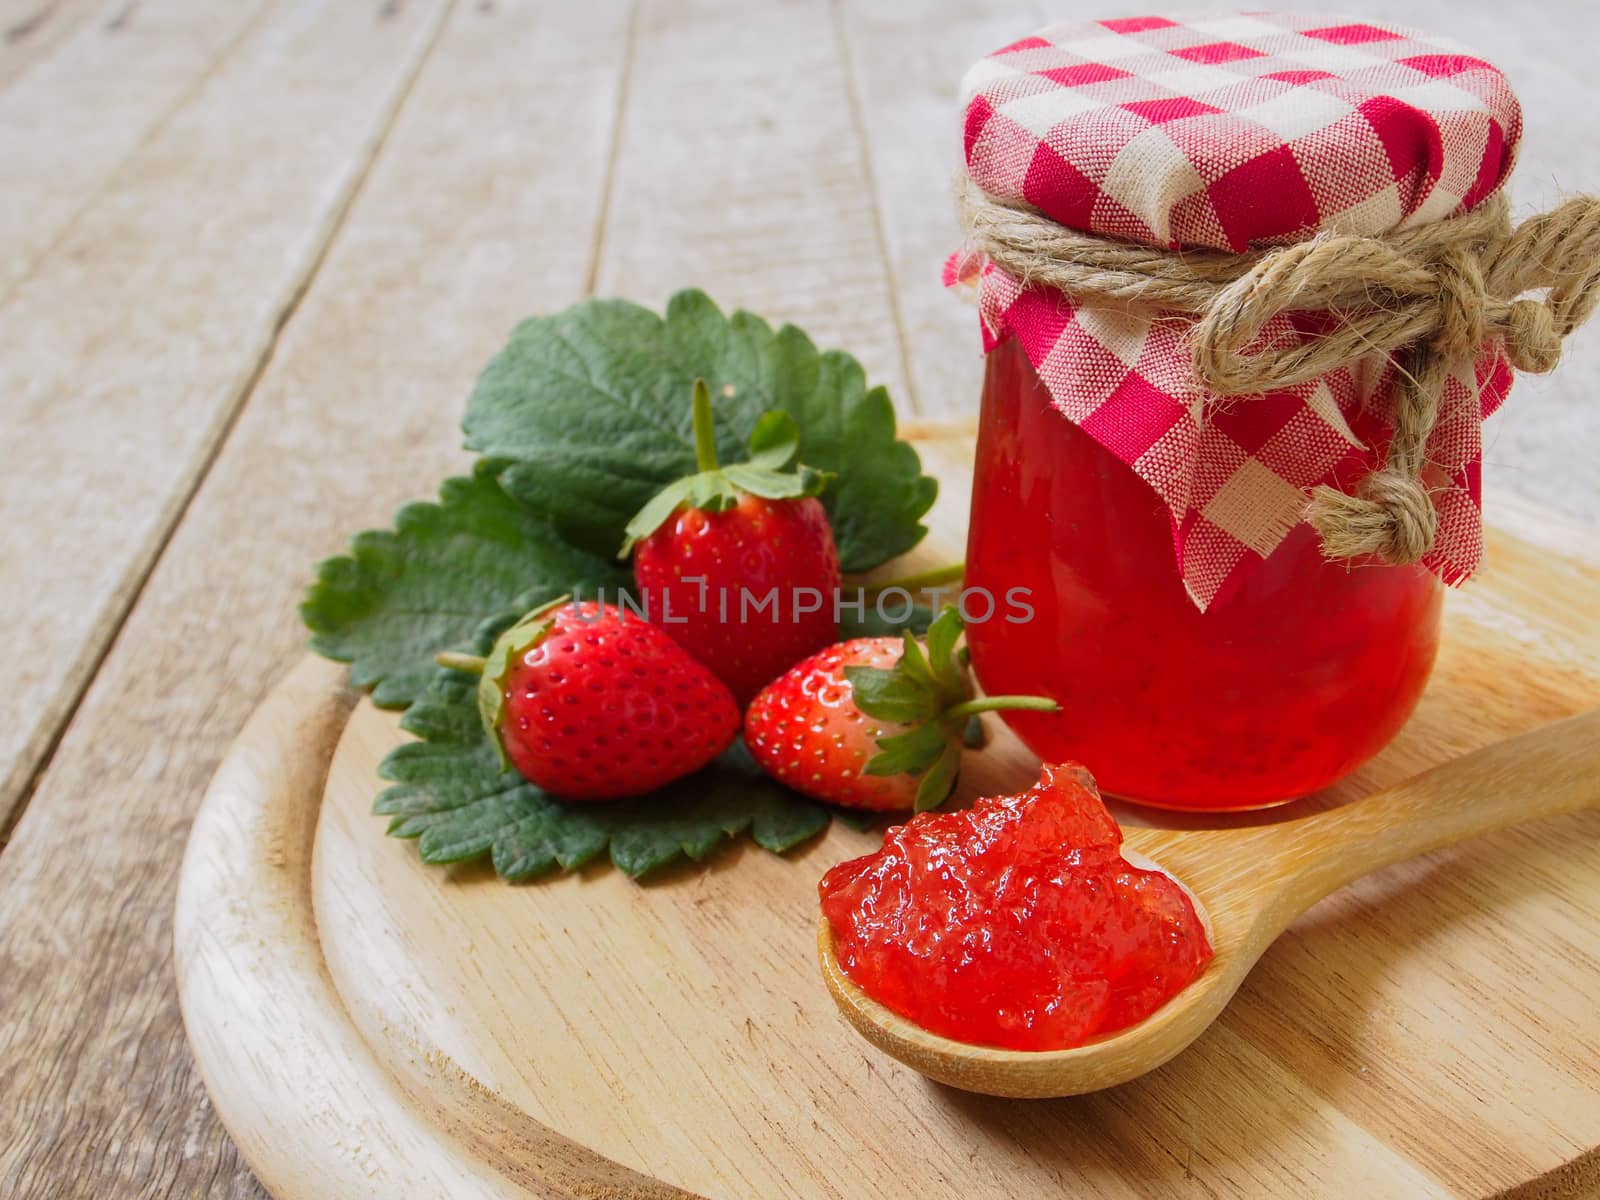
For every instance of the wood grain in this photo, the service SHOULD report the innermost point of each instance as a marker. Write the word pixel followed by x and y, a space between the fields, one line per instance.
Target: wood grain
pixel 463 227
pixel 83 110
pixel 253 839
pixel 1408 1037
pixel 911 114
pixel 740 168
pixel 31 29
pixel 126 353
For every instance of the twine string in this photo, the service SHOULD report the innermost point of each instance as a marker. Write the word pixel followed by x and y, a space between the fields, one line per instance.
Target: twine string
pixel 1430 297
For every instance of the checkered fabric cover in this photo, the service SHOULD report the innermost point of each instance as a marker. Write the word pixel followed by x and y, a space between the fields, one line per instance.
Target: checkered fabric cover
pixel 1237 132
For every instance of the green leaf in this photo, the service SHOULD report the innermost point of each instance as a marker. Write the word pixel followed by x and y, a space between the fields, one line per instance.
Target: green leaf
pixel 451 794
pixel 913 662
pixel 909 752
pixel 776 485
pixel 940 780
pixel 774 441
pixel 694 815
pixel 891 695
pixel 477 559
pixel 586 408
pixel 923 690
pixel 942 637
pixel 872 623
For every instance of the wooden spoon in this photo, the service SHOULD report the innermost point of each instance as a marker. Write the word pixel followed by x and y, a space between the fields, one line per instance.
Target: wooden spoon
pixel 1249 884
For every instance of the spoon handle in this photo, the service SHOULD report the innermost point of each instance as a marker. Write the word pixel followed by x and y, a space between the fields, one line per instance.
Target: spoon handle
pixel 1549 771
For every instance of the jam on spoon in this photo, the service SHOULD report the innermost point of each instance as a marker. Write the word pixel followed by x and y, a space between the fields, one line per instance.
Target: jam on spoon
pixel 1015 923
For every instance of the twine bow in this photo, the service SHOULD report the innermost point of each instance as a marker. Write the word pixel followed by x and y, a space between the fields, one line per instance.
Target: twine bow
pixel 1431 297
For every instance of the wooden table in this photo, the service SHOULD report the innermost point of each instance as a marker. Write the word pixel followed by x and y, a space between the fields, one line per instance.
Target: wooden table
pixel 251 258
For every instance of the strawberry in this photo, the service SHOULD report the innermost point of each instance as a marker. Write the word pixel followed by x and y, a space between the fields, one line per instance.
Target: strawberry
pixel 710 548
pixel 588 702
pixel 874 723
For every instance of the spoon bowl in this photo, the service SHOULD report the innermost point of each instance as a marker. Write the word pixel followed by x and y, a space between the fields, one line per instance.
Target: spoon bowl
pixel 1249 885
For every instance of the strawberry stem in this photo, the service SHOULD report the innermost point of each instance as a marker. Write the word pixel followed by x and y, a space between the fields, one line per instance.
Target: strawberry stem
pixel 705 435
pixel 953 573
pixel 472 664
pixel 958 712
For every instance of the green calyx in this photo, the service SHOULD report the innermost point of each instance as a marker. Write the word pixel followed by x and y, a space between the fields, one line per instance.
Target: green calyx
pixel 932 693
pixel 491 670
pixel 774 442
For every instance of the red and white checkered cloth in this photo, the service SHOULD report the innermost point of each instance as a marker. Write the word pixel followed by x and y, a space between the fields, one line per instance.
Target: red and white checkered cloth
pixel 1237 132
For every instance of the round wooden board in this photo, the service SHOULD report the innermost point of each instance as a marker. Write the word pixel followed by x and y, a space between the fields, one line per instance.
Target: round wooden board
pixel 369 1026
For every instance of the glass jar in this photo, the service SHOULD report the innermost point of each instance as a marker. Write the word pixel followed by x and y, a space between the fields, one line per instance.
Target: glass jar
pixel 1285 684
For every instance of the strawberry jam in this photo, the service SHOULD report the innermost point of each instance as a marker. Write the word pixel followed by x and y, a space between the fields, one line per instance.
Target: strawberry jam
pixel 1287 682
pixel 1014 923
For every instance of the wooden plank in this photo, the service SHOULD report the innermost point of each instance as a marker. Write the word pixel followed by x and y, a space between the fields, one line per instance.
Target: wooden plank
pixel 30 29
pixel 907 62
pixel 482 208
pixel 1542 444
pixel 741 169
pixel 906 65
pixel 75 117
pixel 124 354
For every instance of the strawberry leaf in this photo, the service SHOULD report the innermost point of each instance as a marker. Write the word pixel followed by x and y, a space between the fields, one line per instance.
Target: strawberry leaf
pixel 587 408
pixel 869 622
pixel 940 780
pixel 942 636
pixel 928 691
pixel 776 485
pixel 470 563
pixel 661 506
pixel 449 792
pixel 909 752
pixel 774 441
pixel 913 662
pixel 892 694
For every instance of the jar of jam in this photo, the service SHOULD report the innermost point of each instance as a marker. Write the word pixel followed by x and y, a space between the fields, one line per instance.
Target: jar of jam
pixel 1204 649
pixel 1293 679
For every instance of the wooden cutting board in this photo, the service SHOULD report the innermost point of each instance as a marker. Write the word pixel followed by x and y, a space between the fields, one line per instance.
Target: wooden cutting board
pixel 370 1027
